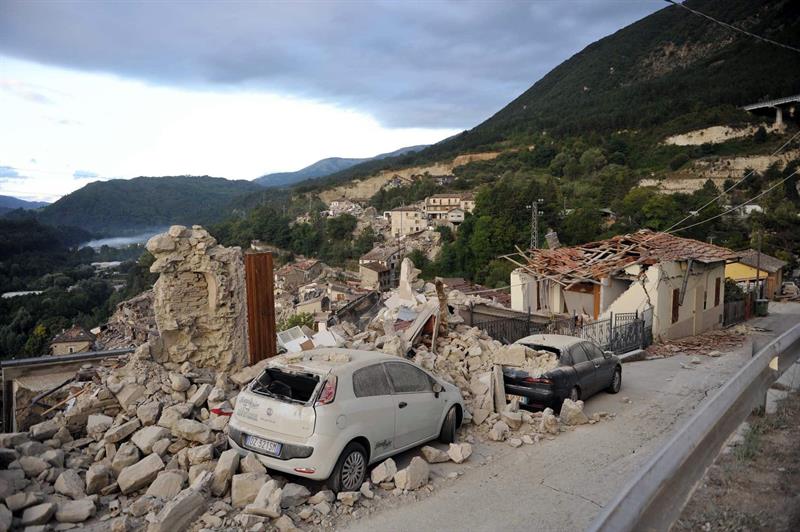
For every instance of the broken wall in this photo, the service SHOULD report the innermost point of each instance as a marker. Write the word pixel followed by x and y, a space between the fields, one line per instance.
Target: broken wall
pixel 199 299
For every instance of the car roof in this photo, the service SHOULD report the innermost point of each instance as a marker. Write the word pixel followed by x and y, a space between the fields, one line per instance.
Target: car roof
pixel 325 360
pixel 558 341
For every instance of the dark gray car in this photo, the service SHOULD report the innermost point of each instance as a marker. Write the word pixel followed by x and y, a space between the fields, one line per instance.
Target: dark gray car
pixel 583 370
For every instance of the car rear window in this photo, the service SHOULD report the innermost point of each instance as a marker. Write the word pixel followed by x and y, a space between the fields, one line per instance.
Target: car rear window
pixel 295 387
pixel 407 379
pixel 371 381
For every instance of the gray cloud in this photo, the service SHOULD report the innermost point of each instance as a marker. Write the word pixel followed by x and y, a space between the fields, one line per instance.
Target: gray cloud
pixel 84 174
pixel 9 172
pixel 428 64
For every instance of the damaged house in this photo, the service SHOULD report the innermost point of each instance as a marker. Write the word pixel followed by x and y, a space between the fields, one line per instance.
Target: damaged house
pixel 681 280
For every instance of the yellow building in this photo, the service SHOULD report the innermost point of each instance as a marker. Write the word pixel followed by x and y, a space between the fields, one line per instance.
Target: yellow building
pixel 767 271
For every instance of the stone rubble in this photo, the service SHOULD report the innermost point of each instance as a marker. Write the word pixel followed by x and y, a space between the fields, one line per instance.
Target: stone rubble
pixel 144 448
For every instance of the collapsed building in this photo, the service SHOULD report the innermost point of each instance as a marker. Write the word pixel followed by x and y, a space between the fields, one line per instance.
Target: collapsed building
pixel 134 442
pixel 680 279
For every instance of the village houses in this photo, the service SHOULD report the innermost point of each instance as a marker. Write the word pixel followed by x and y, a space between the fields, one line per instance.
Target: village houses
pixel 387 257
pixel 439 206
pixel 295 274
pixel 751 271
pixel 681 280
pixel 406 221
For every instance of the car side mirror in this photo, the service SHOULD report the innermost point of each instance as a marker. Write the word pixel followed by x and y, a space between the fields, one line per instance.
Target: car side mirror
pixel 437 389
pixel 608 354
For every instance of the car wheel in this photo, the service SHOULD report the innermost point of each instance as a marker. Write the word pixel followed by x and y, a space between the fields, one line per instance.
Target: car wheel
pixel 350 470
pixel 616 382
pixel 448 432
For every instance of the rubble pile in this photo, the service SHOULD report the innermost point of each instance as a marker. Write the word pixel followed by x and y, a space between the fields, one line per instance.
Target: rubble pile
pixel 145 447
pixel 710 343
pixel 465 356
pixel 133 323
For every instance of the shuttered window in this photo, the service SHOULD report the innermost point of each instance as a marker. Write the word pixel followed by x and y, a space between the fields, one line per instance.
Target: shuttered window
pixel 716 291
pixel 676 298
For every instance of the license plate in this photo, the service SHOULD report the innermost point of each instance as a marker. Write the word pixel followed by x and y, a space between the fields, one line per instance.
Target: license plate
pixel 267 446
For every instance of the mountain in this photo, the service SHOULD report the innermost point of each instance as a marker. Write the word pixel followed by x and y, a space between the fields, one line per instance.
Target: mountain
pixel 9 203
pixel 325 167
pixel 669 72
pixel 120 206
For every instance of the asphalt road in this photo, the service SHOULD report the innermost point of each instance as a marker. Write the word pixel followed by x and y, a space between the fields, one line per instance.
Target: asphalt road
pixel 562 484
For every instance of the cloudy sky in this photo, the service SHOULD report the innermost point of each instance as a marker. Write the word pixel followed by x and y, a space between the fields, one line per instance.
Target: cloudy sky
pixel 98 90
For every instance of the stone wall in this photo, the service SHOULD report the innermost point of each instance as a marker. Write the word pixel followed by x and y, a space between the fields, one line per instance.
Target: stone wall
pixel 199 299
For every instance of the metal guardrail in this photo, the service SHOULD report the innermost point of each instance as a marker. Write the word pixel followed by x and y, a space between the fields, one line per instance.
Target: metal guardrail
pixel 654 499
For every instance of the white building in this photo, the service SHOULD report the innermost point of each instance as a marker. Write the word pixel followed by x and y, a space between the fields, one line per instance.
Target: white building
pixel 682 280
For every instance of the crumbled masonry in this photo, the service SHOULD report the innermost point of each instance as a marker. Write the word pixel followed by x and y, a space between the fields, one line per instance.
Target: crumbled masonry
pixel 142 449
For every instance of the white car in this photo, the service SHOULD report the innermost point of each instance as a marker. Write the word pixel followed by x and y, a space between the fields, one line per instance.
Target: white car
pixel 329 413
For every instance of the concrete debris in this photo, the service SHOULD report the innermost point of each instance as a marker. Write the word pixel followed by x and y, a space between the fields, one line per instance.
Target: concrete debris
pixel 294 495
pixel 245 487
pixel 572 413
pixel 384 472
pixel 433 455
pixel 69 483
pixel 267 502
pixel 414 476
pixel 549 422
pixel 499 431
pixel 514 442
pixel 348 498
pixel 75 511
pixel 141 474
pixel 459 452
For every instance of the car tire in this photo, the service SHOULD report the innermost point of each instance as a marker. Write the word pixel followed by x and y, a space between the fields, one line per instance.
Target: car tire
pixel 350 470
pixel 616 382
pixel 448 432
pixel 574 395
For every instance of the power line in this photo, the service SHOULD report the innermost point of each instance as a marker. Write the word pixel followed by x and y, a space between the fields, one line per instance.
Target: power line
pixel 748 174
pixel 701 222
pixel 734 28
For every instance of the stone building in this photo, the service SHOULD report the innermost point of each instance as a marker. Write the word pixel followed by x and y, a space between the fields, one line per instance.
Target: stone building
pixel 374 276
pixel 438 206
pixel 407 221
pixel 389 257
pixel 76 339
pixel 295 274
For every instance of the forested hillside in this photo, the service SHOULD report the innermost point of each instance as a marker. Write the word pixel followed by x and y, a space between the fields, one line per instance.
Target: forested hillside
pixel 128 205
pixel 669 72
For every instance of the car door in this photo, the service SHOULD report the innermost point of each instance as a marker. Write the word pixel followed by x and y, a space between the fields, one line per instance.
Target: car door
pixel 374 407
pixel 418 410
pixel 603 366
pixel 584 368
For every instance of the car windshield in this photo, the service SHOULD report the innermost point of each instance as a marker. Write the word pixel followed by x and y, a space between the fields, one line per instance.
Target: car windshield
pixel 296 387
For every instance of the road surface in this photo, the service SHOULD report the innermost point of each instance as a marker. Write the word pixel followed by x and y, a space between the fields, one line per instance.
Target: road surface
pixel 562 484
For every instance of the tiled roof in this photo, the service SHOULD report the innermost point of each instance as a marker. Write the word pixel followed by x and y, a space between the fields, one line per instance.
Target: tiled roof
pixel 767 263
pixel 76 333
pixel 596 260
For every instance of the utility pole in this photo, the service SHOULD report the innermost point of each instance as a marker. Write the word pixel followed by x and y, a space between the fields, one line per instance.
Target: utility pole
pixel 535 212
pixel 759 292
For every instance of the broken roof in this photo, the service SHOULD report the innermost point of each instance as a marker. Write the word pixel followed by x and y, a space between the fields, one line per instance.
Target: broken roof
pixel 375 266
pixel 379 253
pixel 767 263
pixel 76 333
pixel 595 260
